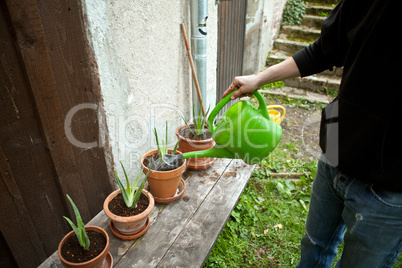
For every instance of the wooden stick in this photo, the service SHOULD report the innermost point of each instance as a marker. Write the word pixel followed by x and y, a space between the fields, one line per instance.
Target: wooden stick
pixel 192 68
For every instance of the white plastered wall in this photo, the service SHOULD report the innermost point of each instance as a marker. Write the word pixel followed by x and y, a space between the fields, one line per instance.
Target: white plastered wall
pixel 262 26
pixel 144 70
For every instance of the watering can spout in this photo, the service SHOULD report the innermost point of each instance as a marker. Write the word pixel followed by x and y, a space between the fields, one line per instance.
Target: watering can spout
pixel 216 151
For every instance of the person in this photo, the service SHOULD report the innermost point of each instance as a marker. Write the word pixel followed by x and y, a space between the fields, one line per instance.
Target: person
pixel 357 191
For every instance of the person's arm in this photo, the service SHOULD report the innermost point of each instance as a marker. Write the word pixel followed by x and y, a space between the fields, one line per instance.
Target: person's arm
pixel 250 83
pixel 327 51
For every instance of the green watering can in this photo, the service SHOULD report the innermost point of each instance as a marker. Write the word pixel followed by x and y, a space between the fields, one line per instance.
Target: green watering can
pixel 243 132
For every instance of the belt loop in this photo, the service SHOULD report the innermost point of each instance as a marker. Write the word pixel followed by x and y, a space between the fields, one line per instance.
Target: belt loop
pixel 341 183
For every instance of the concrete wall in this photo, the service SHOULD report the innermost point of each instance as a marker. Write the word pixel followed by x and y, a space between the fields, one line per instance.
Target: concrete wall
pixel 262 26
pixel 144 70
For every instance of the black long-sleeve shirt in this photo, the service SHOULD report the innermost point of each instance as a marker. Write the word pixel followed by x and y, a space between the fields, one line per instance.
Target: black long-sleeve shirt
pixel 361 130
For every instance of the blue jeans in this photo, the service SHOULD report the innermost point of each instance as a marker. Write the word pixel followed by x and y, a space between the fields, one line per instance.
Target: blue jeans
pixel 372 217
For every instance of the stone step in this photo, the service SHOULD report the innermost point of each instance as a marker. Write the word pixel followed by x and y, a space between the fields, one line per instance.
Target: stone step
pixel 325 2
pixel 322 11
pixel 315 83
pixel 299 94
pixel 277 56
pixel 289 46
pixel 312 21
pixel 301 32
pixel 294 38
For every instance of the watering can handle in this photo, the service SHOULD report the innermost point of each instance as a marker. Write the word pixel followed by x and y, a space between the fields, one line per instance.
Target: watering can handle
pixel 262 108
pixel 278 107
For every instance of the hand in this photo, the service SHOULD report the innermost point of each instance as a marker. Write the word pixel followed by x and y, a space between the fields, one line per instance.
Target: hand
pixel 249 83
pixel 245 84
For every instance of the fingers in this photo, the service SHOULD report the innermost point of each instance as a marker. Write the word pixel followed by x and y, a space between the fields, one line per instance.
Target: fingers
pixel 244 84
pixel 236 94
pixel 231 88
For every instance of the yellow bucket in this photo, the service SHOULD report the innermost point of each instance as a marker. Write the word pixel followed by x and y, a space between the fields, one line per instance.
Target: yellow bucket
pixel 275 115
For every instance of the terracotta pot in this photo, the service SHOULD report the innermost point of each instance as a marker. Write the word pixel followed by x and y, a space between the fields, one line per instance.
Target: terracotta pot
pixel 163 184
pixel 188 145
pixel 129 226
pixel 96 262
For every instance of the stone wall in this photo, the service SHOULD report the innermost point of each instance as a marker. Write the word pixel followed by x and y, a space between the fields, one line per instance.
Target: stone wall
pixel 263 23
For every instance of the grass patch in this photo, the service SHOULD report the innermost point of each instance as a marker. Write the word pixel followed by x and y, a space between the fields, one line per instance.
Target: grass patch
pixel 266 226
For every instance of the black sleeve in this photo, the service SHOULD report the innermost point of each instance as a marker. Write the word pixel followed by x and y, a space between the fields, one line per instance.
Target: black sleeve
pixel 329 49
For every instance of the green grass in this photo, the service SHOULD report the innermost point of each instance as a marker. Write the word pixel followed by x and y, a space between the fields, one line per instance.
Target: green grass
pixel 264 230
pixel 266 226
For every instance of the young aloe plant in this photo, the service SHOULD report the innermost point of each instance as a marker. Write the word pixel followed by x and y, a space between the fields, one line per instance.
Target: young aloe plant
pixel 162 146
pixel 199 122
pixel 79 230
pixel 130 195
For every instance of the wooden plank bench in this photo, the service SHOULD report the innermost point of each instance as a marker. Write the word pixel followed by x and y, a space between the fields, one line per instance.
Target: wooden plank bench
pixel 181 234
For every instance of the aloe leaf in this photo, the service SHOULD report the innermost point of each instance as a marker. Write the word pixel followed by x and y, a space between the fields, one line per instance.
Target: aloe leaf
pixel 85 243
pixel 139 190
pixel 128 189
pixel 175 147
pixel 77 233
pixel 80 228
pixel 123 190
pixel 80 224
pixel 125 174
pixel 204 118
pixel 163 148
pixel 138 178
pixel 157 141
pixel 134 193
pixel 199 127
pixel 188 125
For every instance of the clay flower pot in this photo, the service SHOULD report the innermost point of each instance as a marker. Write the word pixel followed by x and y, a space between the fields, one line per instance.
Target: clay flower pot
pixel 98 261
pixel 129 227
pixel 163 184
pixel 189 145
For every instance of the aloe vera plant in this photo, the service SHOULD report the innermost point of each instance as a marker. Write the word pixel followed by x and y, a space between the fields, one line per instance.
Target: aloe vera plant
pixel 79 230
pixel 130 195
pixel 163 145
pixel 199 122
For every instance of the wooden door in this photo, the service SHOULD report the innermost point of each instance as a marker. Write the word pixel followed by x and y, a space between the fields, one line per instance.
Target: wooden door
pixel 231 33
pixel 46 69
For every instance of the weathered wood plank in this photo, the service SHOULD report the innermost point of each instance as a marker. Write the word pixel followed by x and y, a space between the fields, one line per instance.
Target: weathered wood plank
pixel 45 70
pixel 13 203
pixel 28 159
pixel 33 46
pixel 69 49
pixel 181 234
pixel 192 246
pixel 152 247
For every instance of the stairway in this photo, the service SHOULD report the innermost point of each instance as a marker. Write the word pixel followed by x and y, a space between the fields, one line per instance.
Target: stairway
pixel 293 38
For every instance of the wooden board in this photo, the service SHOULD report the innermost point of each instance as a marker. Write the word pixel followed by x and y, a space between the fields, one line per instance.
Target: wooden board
pixel 196 239
pixel 45 70
pixel 181 234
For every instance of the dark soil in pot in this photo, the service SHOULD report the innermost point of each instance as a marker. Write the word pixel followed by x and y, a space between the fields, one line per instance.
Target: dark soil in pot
pixel 73 252
pixel 159 165
pixel 118 207
pixel 186 133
